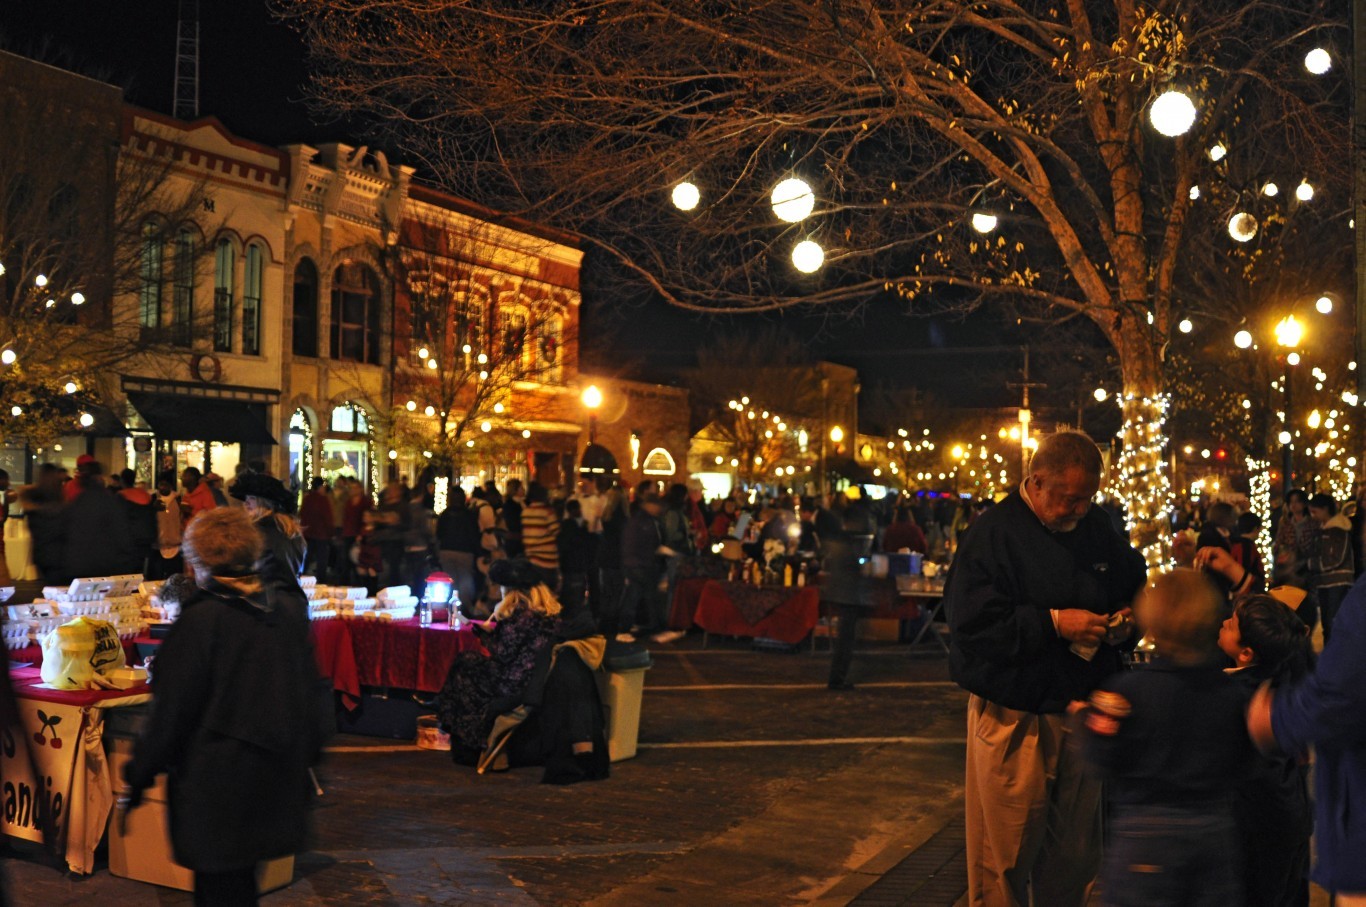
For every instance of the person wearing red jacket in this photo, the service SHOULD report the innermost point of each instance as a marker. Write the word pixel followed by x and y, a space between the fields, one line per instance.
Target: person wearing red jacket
pixel 316 515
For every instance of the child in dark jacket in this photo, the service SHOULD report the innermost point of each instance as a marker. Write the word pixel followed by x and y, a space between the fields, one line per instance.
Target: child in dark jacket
pixel 1271 806
pixel 1170 741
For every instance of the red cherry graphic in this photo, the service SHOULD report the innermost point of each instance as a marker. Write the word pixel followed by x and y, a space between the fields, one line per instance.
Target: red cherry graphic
pixel 41 740
pixel 56 743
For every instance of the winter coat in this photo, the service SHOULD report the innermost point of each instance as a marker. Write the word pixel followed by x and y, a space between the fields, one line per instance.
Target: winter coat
pixel 1007 575
pixel 1326 710
pixel 238 786
pixel 1331 562
pixel 95 538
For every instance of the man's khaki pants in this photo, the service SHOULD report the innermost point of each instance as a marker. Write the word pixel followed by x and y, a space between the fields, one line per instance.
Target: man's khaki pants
pixel 1033 815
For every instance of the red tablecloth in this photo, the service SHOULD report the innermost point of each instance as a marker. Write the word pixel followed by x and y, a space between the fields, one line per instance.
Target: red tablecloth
pixel 28 685
pixel 687 593
pixel 375 653
pixel 788 612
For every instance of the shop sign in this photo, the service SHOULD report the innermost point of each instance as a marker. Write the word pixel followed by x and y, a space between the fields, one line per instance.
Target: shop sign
pixel 659 462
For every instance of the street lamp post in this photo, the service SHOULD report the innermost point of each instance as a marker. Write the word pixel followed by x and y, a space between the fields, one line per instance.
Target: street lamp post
pixel 592 399
pixel 1288 332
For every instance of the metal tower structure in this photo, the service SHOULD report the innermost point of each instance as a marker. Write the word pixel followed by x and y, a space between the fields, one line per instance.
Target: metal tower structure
pixel 186 102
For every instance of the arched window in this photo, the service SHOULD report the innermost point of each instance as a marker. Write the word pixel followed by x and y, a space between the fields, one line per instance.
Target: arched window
pixel 150 274
pixel 305 309
pixel 224 261
pixel 470 313
pixel 182 299
pixel 252 280
pixel 355 314
pixel 512 327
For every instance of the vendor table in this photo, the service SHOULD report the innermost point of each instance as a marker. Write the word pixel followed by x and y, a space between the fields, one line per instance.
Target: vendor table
pixel 380 653
pixel 783 613
pixel 687 593
pixel 401 654
pixel 61 742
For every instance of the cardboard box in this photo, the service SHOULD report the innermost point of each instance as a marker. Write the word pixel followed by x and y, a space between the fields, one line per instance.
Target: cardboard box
pixel 142 851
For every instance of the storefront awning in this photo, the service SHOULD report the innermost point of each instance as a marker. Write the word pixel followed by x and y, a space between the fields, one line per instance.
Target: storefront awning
pixel 183 418
pixel 106 424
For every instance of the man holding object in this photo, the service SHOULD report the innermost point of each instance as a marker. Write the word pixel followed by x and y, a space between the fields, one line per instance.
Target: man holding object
pixel 1037 600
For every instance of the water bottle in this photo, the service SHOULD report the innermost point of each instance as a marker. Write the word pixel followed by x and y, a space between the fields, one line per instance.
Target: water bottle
pixel 453 611
pixel 424 612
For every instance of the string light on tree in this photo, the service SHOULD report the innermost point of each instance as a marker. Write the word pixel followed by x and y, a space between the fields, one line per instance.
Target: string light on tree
pixel 1318 61
pixel 686 196
pixel 792 200
pixel 1242 227
pixel 808 256
pixel 983 222
pixel 1304 192
pixel 1141 480
pixel 1172 114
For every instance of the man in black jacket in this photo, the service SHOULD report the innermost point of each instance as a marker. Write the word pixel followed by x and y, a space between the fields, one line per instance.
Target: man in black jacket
pixel 1030 598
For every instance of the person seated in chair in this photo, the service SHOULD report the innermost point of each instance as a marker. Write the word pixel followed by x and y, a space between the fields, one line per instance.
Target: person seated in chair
pixel 527 642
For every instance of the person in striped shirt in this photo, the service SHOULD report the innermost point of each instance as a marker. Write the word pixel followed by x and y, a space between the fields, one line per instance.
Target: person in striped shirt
pixel 540 530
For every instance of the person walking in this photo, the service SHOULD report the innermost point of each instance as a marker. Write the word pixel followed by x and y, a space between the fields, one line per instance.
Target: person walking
pixel 1331 571
pixel 846 588
pixel 1029 597
pixel 198 497
pixel 239 787
pixel 540 527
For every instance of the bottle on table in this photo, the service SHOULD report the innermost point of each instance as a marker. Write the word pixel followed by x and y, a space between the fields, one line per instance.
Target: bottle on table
pixel 424 612
pixel 453 611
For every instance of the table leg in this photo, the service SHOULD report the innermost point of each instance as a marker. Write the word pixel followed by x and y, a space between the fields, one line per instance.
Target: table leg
pixel 929 627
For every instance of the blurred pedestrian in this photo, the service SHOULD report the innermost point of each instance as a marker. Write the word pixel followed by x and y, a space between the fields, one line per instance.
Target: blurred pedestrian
pixel 1324 711
pixel 141 514
pixel 540 527
pixel 197 497
pixel 1331 571
pixel 1168 739
pixel 317 518
pixel 457 539
pixel 239 786
pixel 269 504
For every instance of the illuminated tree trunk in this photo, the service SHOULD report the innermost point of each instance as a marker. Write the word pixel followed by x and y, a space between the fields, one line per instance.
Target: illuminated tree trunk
pixel 1141 479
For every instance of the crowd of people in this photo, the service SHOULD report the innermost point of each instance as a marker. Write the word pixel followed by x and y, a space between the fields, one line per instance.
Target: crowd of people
pixel 1201 748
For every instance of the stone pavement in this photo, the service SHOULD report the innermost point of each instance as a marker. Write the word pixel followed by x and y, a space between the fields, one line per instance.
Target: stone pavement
pixel 754 785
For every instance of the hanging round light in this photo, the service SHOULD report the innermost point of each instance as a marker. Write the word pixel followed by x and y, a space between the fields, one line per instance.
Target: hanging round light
pixel 431 410
pixel 86 420
pixel 792 200
pixel 16 410
pixel 1304 191
pixel 686 196
pixel 1324 305
pixel 808 256
pixel 1242 340
pixel 410 406
pixel 1284 437
pixel 983 222
pixel 1318 61
pixel 78 298
pixel 1242 226
pixel 1101 395
pixel 1293 358
pixel 486 426
pixel 7 357
pixel 1172 114
pixel 1194 193
pixel 1271 190
pixel 70 387
pixel 1185 326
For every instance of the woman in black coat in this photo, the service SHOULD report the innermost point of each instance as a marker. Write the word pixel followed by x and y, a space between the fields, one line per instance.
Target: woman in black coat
pixel 239 787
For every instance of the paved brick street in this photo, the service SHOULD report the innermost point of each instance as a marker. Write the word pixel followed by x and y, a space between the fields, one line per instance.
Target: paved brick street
pixel 754 785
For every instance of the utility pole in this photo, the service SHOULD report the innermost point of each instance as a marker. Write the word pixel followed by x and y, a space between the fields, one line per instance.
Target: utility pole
pixel 1025 415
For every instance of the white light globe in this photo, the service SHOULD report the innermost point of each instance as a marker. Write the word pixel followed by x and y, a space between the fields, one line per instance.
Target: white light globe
pixel 1318 61
pixel 793 200
pixel 430 410
pixel 808 256
pixel 983 223
pixel 1100 395
pixel 86 420
pixel 16 410
pixel 1271 190
pixel 1195 192
pixel 486 426
pixel 1242 226
pixel 78 298
pixel 1242 340
pixel 1217 152
pixel 8 357
pixel 1172 114
pixel 1293 358
pixel 1284 437
pixel 686 196
pixel 1324 305
pixel 1304 192
pixel 1185 326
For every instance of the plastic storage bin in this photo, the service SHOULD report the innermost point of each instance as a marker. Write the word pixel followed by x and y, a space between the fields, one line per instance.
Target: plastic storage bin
pixel 622 687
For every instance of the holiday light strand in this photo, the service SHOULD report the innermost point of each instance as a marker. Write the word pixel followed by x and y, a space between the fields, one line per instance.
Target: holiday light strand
pixel 1259 493
pixel 1141 480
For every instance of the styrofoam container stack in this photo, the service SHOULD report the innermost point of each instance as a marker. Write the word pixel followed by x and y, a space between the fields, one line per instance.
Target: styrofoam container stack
pixel 395 593
pixel 321 609
pixel 389 614
pixel 307 582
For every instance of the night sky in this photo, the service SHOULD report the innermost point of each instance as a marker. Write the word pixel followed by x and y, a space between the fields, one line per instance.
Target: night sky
pixel 252 74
